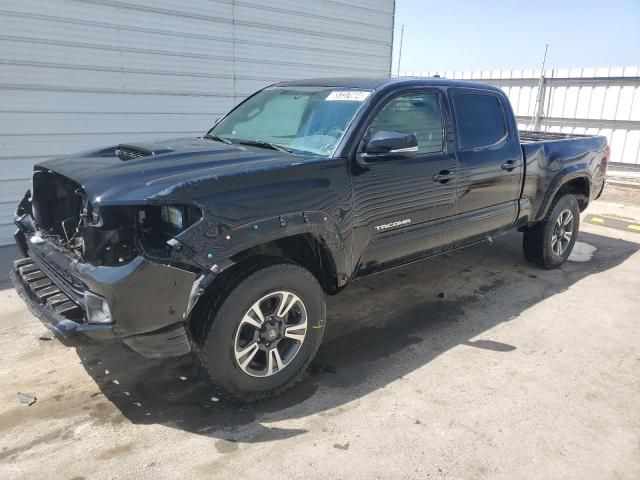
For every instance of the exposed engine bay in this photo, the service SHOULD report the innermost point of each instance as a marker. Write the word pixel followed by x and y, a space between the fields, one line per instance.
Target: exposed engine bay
pixel 105 235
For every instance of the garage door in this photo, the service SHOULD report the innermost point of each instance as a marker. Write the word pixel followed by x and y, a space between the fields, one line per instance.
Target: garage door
pixel 82 74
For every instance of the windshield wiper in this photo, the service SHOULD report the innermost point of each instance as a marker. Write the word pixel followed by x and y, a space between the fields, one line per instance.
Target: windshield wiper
pixel 218 139
pixel 263 144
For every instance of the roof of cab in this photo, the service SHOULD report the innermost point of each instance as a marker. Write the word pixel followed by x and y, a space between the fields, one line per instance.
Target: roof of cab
pixel 377 83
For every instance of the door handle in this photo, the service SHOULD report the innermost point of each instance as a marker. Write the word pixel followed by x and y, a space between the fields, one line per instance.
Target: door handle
pixel 444 176
pixel 510 165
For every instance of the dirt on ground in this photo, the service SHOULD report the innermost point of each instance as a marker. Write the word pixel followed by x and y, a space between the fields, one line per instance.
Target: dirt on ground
pixel 472 365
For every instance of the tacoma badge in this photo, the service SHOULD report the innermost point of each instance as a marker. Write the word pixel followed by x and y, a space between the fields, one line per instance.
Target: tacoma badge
pixel 406 221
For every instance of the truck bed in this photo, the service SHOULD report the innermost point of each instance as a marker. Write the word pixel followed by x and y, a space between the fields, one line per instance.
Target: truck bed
pixel 529 136
pixel 551 157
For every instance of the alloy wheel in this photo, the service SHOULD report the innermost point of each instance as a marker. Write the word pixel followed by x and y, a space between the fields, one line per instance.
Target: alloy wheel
pixel 270 334
pixel 562 232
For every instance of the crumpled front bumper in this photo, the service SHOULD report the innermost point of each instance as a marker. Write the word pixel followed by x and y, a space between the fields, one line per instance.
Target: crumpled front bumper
pixel 148 300
pixel 41 300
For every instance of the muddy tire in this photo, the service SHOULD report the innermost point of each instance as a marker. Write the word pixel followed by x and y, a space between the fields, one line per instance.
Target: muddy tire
pixel 265 333
pixel 550 242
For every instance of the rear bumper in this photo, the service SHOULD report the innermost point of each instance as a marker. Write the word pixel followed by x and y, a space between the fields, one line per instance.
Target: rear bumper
pixel 148 300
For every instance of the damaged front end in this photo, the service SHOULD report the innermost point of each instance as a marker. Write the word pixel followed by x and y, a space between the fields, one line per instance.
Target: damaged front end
pixel 109 272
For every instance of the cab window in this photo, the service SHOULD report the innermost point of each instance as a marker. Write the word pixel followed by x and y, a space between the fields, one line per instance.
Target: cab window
pixel 413 113
pixel 480 119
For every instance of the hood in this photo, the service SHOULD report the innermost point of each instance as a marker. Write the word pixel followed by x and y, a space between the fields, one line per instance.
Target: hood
pixel 141 172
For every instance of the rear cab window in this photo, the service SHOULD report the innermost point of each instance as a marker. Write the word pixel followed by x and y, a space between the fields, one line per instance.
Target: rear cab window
pixel 480 119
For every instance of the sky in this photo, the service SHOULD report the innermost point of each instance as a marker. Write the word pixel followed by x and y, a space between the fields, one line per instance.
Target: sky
pixel 456 35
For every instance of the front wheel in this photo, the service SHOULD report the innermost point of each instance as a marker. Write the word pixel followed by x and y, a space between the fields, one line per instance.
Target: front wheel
pixel 550 242
pixel 265 333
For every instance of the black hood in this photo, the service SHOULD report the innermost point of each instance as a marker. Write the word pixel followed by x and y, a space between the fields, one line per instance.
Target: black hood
pixel 114 176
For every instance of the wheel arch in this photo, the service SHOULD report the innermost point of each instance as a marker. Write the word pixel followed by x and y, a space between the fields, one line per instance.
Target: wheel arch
pixel 577 183
pixel 309 250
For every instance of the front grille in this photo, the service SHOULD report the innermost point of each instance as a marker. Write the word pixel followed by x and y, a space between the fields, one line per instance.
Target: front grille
pixel 73 289
pixel 127 152
pixel 57 204
pixel 47 292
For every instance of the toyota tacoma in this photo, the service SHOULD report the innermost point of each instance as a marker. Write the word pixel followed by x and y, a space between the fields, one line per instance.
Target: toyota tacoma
pixel 224 246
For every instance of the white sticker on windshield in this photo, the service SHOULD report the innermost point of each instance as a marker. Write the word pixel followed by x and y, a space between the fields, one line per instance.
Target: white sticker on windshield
pixel 348 96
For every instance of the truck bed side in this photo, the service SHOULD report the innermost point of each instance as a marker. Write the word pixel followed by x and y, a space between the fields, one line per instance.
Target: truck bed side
pixel 554 160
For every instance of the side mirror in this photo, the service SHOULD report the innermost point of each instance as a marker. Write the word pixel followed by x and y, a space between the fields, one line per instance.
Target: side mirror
pixel 389 146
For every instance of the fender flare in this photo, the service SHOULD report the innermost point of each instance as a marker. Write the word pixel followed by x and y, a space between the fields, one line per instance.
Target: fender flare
pixel 213 246
pixel 563 177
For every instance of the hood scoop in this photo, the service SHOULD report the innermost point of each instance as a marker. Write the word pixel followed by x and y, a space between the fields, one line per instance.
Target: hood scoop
pixel 129 152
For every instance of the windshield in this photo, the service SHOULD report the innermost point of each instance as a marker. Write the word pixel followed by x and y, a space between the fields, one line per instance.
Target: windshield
pixel 304 120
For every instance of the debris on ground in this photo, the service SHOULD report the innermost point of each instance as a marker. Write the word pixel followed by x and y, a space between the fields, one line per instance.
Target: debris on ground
pixel 317 368
pixel 45 338
pixel 27 398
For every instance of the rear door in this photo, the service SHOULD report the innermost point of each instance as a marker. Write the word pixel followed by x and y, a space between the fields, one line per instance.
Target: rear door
pixel 403 208
pixel 490 164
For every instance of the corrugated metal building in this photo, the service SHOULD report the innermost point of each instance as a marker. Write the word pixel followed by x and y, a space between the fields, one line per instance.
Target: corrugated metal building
pixel 77 74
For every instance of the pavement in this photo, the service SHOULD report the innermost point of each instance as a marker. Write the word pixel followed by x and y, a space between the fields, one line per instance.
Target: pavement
pixel 469 365
pixel 624 175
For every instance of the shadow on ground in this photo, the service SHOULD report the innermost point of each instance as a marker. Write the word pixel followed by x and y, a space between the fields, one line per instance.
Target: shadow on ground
pixel 379 329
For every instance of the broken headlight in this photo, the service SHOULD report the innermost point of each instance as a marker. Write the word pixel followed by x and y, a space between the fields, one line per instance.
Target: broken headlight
pixel 116 234
pixel 168 220
pixel 174 217
pixel 159 224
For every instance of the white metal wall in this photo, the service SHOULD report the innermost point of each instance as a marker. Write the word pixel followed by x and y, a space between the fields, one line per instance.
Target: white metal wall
pixel 599 101
pixel 77 74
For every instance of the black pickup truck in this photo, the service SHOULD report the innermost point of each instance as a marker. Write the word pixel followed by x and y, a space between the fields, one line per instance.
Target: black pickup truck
pixel 225 245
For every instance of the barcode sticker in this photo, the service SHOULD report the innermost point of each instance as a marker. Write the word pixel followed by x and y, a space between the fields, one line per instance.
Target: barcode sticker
pixel 348 96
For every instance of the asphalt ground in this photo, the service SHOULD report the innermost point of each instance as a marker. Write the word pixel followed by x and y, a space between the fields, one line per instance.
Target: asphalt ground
pixel 469 365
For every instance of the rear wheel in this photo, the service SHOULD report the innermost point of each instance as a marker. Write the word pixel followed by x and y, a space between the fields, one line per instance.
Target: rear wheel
pixel 265 333
pixel 550 242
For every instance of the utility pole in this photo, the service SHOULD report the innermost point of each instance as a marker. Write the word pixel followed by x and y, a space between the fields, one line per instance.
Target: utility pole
pixel 542 87
pixel 400 51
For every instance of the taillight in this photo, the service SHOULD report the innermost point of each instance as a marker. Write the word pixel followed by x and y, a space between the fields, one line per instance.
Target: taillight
pixel 607 156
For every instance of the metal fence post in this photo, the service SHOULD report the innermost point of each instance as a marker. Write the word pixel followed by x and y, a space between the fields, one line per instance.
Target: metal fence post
pixel 542 92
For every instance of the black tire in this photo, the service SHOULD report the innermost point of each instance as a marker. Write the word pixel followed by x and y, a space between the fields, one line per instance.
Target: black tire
pixel 537 240
pixel 217 354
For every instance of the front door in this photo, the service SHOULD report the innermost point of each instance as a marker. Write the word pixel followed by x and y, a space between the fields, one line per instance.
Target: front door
pixel 403 208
